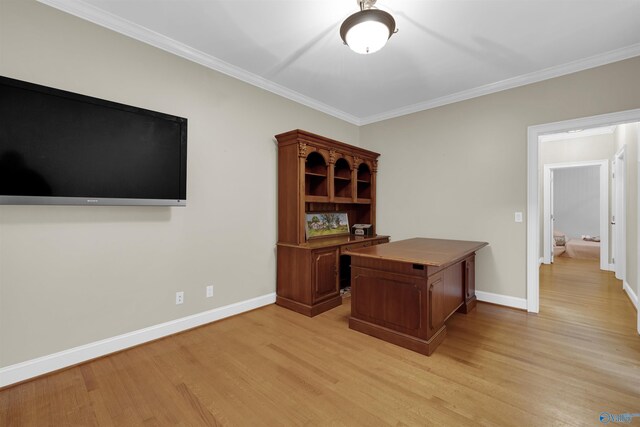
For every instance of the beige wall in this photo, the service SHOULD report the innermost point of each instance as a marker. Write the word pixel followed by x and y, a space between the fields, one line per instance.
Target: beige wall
pixel 460 171
pixel 589 148
pixel 73 275
pixel 627 136
pixel 597 147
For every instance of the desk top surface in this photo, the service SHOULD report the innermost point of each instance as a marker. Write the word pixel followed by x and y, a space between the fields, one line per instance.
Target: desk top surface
pixel 434 252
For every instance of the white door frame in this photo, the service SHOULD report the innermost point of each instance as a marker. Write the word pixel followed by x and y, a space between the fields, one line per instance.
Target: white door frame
pixel 551 206
pixel 533 190
pixel 604 208
pixel 638 205
pixel 619 217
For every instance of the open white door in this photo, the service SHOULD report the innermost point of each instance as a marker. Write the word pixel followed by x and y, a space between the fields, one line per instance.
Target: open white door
pixel 614 210
pixel 638 223
pixel 618 217
pixel 551 216
pixel 547 233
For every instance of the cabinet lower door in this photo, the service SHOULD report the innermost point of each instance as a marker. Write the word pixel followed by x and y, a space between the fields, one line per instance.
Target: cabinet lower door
pixel 324 274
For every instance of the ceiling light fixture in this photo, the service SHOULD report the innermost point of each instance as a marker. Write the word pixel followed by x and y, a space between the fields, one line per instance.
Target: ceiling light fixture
pixel 367 31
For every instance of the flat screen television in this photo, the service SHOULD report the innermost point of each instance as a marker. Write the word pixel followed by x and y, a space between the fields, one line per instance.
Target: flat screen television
pixel 62 148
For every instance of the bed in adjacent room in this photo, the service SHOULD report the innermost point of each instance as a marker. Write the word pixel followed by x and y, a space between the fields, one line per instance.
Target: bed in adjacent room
pixel 581 248
pixel 559 242
pixel 586 247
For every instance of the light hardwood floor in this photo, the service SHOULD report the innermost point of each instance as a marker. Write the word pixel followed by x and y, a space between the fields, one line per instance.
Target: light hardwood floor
pixel 579 357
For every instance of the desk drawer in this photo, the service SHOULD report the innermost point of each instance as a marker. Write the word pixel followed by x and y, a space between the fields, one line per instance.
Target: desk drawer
pixel 344 250
pixel 347 248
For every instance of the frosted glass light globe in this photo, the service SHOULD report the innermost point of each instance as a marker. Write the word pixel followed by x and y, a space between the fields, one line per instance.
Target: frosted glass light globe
pixel 367 31
pixel 368 37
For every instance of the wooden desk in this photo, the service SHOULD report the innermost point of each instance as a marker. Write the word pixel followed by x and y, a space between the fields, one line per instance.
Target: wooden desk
pixel 309 273
pixel 403 292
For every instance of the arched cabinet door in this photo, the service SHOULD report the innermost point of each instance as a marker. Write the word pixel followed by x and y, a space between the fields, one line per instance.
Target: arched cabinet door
pixel 324 274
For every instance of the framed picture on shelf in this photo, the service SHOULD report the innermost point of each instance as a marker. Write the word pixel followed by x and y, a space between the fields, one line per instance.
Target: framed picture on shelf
pixel 326 224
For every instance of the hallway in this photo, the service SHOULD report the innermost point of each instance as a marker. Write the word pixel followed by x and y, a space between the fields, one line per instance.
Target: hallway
pixel 578 292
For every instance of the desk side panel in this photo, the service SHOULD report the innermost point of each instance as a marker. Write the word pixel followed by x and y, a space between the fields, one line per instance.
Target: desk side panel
pixel 294 274
pixel 289 214
pixel 454 287
pixel 394 301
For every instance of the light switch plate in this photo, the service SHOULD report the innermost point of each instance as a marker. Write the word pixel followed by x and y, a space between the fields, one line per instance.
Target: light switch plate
pixel 518 216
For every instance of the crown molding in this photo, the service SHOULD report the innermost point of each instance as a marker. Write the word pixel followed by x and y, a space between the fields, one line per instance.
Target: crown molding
pixel 525 79
pixel 113 22
pixel 138 32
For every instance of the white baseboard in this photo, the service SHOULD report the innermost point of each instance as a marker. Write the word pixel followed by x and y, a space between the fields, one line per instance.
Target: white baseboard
pixel 632 295
pixel 612 267
pixel 32 368
pixel 505 300
pixel 540 261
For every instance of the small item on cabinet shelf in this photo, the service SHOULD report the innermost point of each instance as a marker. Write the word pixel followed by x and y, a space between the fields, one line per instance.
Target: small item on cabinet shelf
pixel 362 229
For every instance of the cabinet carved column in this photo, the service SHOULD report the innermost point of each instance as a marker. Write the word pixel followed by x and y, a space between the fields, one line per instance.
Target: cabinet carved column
pixel 354 177
pixel 374 174
pixel 330 174
pixel 302 159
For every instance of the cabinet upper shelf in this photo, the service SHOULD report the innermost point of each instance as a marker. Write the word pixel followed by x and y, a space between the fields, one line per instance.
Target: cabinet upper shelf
pixel 317 174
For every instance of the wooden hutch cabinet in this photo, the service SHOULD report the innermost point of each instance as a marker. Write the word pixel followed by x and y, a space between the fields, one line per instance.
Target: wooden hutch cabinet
pixel 317 174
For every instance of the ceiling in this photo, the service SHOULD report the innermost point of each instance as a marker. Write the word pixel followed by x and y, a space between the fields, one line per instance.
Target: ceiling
pixel 445 50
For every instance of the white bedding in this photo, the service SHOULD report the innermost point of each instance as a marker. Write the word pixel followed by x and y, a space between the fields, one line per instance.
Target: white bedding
pixel 578 248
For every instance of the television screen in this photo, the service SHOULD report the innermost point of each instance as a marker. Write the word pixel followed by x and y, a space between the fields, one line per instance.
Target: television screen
pixel 58 147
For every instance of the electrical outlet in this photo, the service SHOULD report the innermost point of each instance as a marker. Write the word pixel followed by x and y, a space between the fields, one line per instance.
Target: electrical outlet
pixel 518 216
pixel 179 297
pixel 209 291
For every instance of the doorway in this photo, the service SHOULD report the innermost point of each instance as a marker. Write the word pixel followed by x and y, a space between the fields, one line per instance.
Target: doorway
pixel 550 225
pixel 534 231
